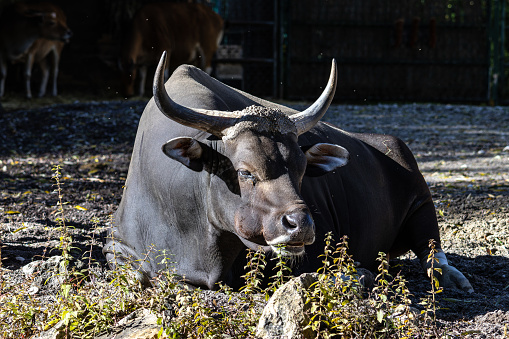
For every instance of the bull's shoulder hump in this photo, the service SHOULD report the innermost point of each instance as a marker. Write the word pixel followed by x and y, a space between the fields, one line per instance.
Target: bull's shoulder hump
pixel 190 82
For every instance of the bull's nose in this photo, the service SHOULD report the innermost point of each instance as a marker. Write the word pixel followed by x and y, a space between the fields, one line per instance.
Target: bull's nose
pixel 299 224
pixel 296 220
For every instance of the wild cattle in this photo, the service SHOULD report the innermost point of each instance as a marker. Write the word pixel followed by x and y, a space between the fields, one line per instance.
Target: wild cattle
pixel 43 51
pixel 189 33
pixel 237 171
pixel 21 25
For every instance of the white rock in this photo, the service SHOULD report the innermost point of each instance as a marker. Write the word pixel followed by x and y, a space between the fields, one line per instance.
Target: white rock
pixel 33 290
pixel 284 314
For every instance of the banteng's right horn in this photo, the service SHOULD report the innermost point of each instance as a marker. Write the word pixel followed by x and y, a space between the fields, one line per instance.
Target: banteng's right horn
pixel 210 121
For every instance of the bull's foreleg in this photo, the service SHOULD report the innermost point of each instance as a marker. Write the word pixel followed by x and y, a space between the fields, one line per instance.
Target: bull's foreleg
pixel 448 276
pixel 418 230
pixel 120 256
pixel 143 79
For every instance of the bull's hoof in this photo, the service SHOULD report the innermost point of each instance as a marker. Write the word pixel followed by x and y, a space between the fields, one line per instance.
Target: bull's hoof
pixel 453 278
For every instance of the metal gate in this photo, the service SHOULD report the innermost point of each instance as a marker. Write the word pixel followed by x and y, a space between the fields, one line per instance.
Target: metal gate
pixel 398 50
pixel 248 57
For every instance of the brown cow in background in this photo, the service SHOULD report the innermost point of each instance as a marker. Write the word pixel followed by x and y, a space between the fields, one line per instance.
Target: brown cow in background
pixel 44 50
pixel 21 25
pixel 190 33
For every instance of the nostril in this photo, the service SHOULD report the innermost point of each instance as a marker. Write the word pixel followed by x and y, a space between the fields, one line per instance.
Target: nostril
pixel 298 227
pixel 290 220
pixel 297 220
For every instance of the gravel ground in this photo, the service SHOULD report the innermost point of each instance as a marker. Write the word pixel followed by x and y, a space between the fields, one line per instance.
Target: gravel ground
pixel 463 152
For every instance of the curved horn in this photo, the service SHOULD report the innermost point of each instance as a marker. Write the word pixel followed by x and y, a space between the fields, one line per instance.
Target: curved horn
pixel 305 120
pixel 210 121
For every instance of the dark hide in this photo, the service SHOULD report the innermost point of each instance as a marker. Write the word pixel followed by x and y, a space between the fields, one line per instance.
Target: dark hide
pixel 379 199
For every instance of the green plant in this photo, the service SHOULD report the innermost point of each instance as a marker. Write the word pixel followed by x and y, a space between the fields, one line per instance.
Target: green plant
pixel 333 300
pixel 283 271
pixel 199 318
pixel 341 307
pixel 337 305
pixel 65 237
pixel 430 302
pixel 253 278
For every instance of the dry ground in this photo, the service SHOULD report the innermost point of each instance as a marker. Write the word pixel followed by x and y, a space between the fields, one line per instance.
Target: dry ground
pixel 462 151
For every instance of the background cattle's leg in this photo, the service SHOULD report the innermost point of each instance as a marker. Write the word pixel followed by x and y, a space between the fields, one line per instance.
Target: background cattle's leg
pixel 55 54
pixel 201 60
pixel 143 79
pixel 166 74
pixel 28 74
pixel 55 59
pixel 3 74
pixel 208 45
pixel 45 76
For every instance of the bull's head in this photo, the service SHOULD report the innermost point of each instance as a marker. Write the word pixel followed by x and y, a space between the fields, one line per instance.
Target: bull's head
pixel 261 144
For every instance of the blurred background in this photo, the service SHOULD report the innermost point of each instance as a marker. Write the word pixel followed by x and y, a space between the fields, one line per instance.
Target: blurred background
pixel 450 51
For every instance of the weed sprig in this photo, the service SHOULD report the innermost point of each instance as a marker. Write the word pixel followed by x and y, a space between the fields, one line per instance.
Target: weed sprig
pixel 337 304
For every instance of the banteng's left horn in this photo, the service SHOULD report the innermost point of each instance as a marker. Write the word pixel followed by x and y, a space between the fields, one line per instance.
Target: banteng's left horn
pixel 305 120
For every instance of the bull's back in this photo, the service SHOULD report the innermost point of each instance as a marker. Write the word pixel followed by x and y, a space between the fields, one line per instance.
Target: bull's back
pixel 209 93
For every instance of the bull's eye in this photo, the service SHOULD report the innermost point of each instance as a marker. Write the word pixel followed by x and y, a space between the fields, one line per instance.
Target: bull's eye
pixel 246 176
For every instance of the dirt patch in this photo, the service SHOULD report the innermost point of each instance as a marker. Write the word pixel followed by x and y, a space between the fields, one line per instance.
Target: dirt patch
pixel 462 151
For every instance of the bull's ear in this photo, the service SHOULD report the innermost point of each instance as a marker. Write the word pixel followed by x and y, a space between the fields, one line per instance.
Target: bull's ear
pixel 323 158
pixel 185 150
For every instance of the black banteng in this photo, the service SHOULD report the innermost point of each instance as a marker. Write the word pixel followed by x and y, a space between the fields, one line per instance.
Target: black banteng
pixel 237 171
